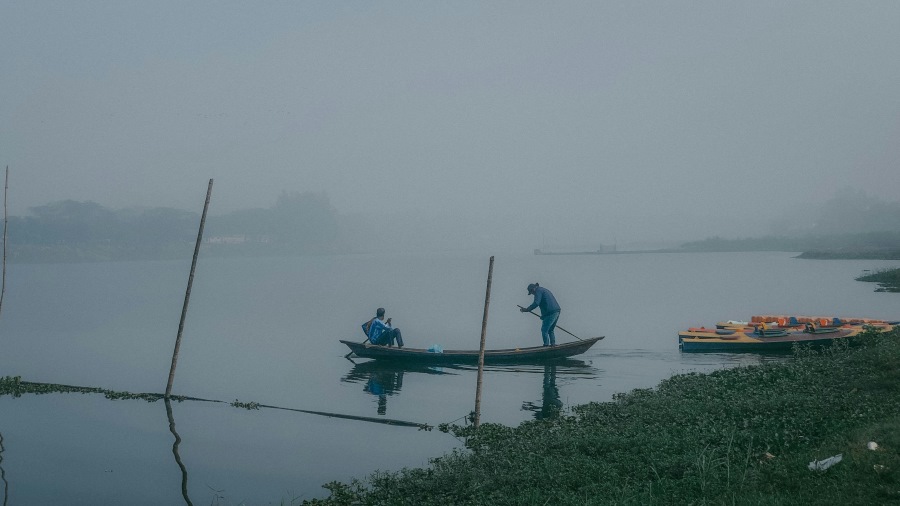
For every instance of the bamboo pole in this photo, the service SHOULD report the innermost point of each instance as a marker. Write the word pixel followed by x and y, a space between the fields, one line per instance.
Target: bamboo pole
pixel 187 294
pixel 560 328
pixel 3 282
pixel 487 303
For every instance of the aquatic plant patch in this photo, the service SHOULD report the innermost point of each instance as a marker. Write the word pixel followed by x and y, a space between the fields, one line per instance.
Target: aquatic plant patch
pixel 14 386
pixel 743 435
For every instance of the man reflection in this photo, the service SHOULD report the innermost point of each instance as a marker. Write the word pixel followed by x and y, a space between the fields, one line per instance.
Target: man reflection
pixel 550 406
pixel 382 384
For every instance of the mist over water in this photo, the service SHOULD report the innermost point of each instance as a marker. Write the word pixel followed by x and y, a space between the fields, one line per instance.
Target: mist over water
pixel 609 121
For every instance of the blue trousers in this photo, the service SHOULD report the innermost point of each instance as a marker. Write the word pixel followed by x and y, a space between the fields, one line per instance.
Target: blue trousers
pixel 388 337
pixel 548 325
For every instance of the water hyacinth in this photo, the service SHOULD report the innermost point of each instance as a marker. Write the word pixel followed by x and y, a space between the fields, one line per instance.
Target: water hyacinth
pixel 743 435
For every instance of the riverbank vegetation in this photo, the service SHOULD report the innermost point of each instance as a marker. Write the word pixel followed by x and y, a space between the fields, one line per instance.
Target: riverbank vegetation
pixel 888 280
pixel 739 436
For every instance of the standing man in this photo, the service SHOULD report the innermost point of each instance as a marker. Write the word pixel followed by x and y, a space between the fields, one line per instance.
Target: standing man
pixel 549 312
pixel 380 331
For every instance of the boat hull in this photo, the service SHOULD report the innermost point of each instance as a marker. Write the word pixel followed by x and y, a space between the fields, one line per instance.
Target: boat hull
pixel 535 354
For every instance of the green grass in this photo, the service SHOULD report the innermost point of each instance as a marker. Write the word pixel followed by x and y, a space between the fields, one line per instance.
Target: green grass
pixel 736 436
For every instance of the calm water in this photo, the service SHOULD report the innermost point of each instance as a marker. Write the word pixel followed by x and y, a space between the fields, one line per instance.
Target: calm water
pixel 267 330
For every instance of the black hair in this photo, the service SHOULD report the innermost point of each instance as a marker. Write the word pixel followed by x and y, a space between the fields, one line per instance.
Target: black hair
pixel 379 312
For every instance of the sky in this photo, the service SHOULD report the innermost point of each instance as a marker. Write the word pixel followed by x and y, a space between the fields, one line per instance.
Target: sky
pixel 561 121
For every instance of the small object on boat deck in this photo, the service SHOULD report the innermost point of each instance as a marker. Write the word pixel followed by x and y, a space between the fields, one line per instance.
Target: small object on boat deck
pixel 821 465
pixel 436 348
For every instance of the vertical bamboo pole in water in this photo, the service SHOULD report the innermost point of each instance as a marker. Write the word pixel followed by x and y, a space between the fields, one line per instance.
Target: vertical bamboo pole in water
pixel 487 303
pixel 187 294
pixel 3 282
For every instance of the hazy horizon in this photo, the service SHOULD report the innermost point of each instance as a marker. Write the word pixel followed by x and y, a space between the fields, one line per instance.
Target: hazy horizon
pixel 534 122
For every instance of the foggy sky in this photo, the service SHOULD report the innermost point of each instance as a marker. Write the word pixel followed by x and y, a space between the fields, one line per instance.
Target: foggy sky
pixel 626 120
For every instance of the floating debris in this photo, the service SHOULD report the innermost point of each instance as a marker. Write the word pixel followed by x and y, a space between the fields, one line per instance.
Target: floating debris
pixel 821 465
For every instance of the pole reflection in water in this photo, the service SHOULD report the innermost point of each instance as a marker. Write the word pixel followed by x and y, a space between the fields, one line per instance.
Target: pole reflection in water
pixel 550 406
pixel 3 474
pixel 184 477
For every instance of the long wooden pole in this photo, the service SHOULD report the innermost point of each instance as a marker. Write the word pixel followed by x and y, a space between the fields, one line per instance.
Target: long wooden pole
pixel 487 303
pixel 3 282
pixel 560 328
pixel 187 294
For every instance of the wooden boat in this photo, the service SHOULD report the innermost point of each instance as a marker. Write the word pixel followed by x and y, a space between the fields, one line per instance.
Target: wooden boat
pixel 764 333
pixel 534 354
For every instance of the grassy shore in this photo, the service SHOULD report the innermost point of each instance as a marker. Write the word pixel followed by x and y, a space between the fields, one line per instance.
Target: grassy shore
pixel 738 436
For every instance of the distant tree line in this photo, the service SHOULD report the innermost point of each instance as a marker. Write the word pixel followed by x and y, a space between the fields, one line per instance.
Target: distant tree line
pixel 304 222
pixel 869 245
pixel 86 231
pixel 850 225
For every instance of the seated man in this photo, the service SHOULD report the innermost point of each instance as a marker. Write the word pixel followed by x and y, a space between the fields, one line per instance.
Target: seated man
pixel 380 331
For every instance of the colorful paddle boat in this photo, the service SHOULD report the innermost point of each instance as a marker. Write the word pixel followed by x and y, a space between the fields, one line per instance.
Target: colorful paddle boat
pixel 775 333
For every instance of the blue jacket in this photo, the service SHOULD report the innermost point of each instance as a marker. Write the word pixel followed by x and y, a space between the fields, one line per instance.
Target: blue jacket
pixel 545 300
pixel 375 328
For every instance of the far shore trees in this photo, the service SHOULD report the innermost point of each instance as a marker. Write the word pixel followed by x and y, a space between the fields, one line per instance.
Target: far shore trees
pixel 86 231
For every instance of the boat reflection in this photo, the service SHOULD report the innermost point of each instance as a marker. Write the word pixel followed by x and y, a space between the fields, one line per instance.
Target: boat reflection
pixel 383 379
pixel 563 366
pixel 184 474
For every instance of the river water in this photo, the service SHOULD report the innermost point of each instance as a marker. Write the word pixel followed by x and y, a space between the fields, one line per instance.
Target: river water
pixel 266 330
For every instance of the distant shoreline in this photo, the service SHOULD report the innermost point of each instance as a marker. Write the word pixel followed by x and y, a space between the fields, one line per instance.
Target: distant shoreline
pixel 117 252
pixel 886 254
pixel 806 255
